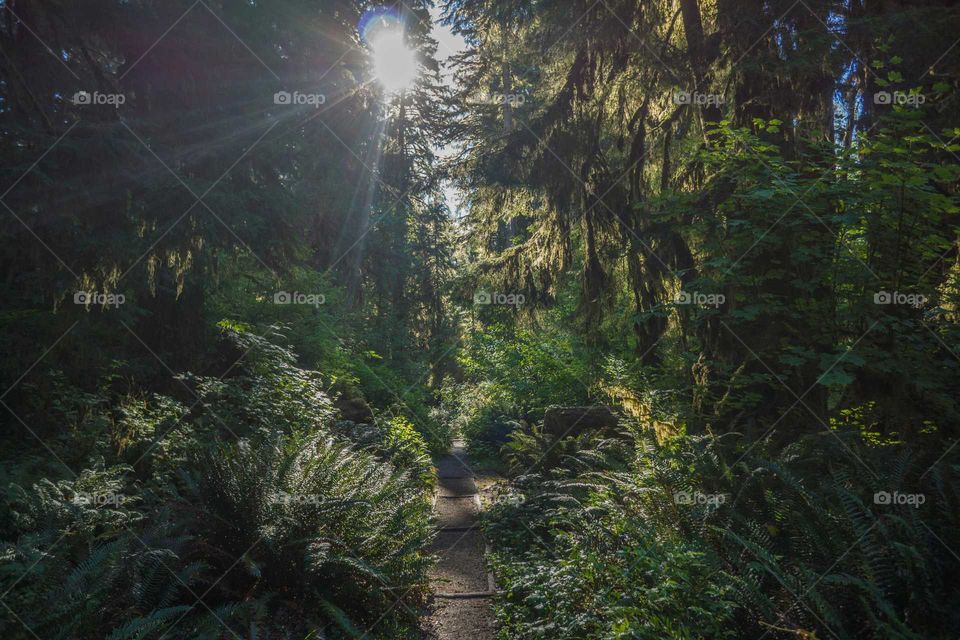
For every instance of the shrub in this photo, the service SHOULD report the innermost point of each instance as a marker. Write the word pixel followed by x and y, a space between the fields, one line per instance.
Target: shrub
pixel 290 530
pixel 407 448
pixel 313 517
pixel 792 543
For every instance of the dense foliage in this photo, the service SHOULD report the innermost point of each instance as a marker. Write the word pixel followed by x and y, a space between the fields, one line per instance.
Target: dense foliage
pixel 240 317
pixel 628 539
pixel 250 511
pixel 737 223
pixel 225 260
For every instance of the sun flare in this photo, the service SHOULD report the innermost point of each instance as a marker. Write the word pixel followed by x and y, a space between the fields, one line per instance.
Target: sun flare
pixel 394 63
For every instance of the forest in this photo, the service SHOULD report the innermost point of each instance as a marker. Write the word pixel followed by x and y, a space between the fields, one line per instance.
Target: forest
pixel 477 319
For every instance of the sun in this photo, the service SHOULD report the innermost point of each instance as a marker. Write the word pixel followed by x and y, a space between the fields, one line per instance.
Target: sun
pixel 394 63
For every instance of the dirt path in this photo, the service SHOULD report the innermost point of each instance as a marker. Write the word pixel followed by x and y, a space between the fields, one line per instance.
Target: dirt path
pixel 460 607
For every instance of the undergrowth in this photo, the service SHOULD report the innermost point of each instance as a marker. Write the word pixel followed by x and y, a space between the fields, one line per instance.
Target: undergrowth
pixel 242 512
pixel 707 537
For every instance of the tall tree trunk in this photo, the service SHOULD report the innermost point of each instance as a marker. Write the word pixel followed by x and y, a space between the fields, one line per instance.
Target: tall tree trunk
pixel 696 50
pixel 506 81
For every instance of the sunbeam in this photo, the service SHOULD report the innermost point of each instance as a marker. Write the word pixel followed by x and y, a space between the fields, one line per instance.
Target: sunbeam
pixel 394 62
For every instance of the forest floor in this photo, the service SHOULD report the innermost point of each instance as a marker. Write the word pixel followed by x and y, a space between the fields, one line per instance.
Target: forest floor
pixel 460 608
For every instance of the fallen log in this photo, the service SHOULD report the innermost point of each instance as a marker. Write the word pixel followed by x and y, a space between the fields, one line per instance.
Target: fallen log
pixel 639 407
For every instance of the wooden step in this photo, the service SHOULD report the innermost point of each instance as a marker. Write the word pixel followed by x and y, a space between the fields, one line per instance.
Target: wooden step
pixel 466 596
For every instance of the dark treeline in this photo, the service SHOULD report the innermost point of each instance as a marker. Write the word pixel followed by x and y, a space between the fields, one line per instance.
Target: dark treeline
pixel 240 318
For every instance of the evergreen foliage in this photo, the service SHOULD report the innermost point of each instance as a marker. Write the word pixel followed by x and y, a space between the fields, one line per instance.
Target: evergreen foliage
pixel 240 318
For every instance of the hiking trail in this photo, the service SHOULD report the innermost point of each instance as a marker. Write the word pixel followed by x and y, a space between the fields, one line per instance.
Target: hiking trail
pixel 462 589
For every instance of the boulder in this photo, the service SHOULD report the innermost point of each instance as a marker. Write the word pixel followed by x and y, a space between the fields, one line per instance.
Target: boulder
pixel 354 409
pixel 351 405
